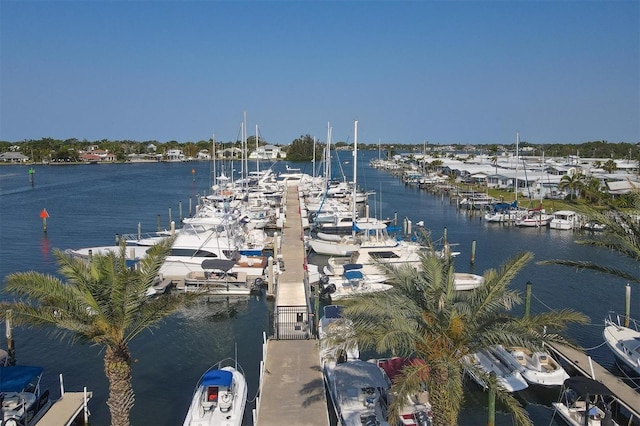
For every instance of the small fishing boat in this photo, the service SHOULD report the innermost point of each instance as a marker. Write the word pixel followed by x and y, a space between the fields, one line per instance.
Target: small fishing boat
pixel 624 342
pixel 220 396
pixel 565 220
pixel 464 281
pixel 583 402
pixel 485 361
pixel 23 402
pixel 352 283
pixel 336 336
pixel 358 391
pixel 417 410
pixel 537 368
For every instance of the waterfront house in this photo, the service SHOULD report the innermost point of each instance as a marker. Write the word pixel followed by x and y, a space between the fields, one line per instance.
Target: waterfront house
pixel 13 157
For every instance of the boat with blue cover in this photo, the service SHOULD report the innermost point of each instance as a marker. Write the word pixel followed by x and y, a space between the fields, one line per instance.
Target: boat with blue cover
pixel 220 396
pixel 23 401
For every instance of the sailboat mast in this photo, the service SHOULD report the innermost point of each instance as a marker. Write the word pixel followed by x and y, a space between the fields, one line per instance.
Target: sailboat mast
pixel 355 170
pixel 257 157
pixel 213 158
pixel 517 162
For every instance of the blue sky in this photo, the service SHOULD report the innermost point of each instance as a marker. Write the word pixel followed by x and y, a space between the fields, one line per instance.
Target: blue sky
pixel 408 71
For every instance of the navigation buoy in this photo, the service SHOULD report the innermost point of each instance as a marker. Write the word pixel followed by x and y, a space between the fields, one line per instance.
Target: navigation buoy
pixel 44 214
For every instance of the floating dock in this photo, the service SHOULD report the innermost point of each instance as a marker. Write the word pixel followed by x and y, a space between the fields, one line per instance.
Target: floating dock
pixel 624 394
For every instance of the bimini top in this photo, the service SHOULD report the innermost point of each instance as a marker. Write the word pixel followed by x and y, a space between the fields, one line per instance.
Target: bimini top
pixel 218 264
pixel 17 378
pixel 352 266
pixel 584 385
pixel 217 378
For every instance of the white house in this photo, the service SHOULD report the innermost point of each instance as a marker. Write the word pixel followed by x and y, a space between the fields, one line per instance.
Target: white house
pixel 175 155
pixel 267 152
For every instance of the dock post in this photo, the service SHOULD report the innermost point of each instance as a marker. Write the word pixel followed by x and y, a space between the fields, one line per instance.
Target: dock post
pixel 170 220
pixel 173 228
pixel 395 218
pixel 444 235
pixel 270 277
pixel 527 300
pixel 139 231
pixel 11 349
pixel 473 252
pixel 190 205
pixel 627 304
pixel 180 210
pixel 491 419
pixel 159 223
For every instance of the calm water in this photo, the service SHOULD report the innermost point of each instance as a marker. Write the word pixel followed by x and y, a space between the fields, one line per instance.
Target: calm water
pixel 89 204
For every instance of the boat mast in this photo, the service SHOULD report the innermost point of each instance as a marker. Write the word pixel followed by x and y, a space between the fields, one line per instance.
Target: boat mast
pixel 517 162
pixel 355 170
pixel 213 157
pixel 257 158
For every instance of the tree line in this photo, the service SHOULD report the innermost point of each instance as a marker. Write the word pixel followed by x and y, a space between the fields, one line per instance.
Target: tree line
pixel 302 148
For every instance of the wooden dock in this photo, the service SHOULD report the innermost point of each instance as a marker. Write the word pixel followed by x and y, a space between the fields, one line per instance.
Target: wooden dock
pixel 291 389
pixel 625 395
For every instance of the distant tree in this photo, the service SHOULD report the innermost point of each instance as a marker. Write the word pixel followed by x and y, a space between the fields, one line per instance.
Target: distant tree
pixel 610 166
pixel 301 149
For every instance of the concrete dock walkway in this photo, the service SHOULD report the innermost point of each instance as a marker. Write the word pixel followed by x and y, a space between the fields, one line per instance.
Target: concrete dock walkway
pixel 292 389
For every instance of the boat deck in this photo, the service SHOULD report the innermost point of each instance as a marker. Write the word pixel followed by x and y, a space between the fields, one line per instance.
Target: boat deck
pixel 626 395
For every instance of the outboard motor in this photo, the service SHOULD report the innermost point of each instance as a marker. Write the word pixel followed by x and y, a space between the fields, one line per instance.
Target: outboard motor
pixel 257 285
pixel 324 280
pixel 326 290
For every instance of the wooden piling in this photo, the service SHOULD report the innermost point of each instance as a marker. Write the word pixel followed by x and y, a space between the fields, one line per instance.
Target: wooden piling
pixel 473 252
pixel 527 300
pixel 627 304
pixel 491 419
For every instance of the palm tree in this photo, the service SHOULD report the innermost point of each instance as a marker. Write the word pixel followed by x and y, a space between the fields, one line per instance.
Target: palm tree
pixel 571 182
pixel 610 166
pixel 424 316
pixel 103 302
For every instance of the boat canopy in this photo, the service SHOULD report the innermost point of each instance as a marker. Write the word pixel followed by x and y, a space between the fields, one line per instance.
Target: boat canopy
pixel 17 378
pixel 359 374
pixel 217 378
pixel 220 264
pixel 585 386
pixel 394 366
pixel 352 266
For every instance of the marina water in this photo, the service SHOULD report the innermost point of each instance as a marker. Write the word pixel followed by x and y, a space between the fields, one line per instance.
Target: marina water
pixel 89 204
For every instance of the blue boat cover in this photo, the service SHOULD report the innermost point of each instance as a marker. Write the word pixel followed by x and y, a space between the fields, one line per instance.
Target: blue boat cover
pixel 16 378
pixel 217 378
pixel 351 266
pixel 333 311
pixel 353 275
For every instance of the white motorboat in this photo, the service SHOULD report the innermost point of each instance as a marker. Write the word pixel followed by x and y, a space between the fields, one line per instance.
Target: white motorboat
pixel 537 368
pixel 23 402
pixel 565 220
pixel 216 278
pixel 486 361
pixel 417 410
pixel 534 218
pixel 464 281
pixel 337 339
pixel 358 391
pixel 583 403
pixel 624 342
pixel 220 396
pixel 352 283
